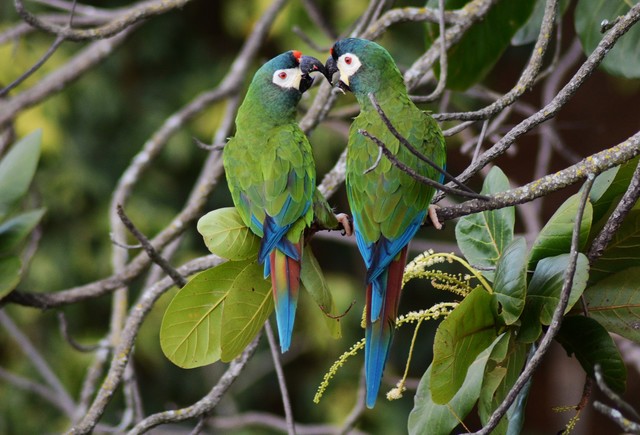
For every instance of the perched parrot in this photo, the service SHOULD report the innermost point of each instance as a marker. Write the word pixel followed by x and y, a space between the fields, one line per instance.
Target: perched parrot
pixel 271 175
pixel 388 205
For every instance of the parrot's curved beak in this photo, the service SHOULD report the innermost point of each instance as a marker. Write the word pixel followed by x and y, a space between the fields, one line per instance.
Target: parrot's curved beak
pixel 331 67
pixel 309 64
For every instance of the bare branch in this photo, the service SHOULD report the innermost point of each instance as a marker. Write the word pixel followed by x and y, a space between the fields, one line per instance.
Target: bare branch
pixel 41 365
pixel 567 92
pixel 282 383
pixel 594 164
pixel 57 80
pixel 207 403
pixel 132 16
pixel 614 222
pixel 528 76
pixel 151 252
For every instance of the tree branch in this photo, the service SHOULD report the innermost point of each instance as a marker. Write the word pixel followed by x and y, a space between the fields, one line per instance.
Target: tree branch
pixel 131 16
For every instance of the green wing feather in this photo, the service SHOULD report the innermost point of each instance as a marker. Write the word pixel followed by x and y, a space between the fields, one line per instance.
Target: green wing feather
pixel 271 173
pixel 386 199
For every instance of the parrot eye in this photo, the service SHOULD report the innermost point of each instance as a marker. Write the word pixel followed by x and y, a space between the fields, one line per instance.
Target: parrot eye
pixel 348 64
pixel 287 78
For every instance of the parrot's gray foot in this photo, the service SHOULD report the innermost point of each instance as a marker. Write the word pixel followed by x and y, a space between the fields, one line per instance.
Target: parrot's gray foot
pixel 344 219
pixel 433 216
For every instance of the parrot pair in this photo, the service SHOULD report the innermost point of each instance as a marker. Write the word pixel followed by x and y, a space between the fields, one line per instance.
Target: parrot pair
pixel 271 175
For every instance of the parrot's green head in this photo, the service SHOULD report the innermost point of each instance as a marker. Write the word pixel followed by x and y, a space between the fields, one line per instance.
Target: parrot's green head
pixel 364 66
pixel 278 85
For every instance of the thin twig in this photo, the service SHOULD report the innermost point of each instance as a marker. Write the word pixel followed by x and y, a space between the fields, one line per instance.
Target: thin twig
pixel 621 404
pixel 208 402
pixel 178 279
pixel 41 365
pixel 628 426
pixel 132 16
pixel 562 98
pixel 556 320
pixel 444 65
pixel 282 383
pixel 528 76
pixel 64 330
pixel 627 202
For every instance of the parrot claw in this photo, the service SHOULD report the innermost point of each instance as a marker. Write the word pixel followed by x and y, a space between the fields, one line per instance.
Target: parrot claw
pixel 433 216
pixel 345 220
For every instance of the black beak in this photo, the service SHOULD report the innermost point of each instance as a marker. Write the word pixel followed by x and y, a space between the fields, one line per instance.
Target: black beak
pixel 331 67
pixel 308 65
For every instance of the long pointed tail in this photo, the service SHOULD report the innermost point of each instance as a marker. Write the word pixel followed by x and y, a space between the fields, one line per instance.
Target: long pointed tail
pixel 379 333
pixel 285 281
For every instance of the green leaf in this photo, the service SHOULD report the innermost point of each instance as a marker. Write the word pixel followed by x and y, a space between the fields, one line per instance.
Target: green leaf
pixel 246 309
pixel 592 344
pixel 504 367
pixel 190 334
pixel 227 236
pixel 471 59
pixel 460 338
pixel 530 31
pixel 430 417
pixel 615 303
pixel 543 293
pixel 14 231
pixel 17 169
pixel 510 285
pixel 604 203
pixel 483 236
pixel 10 271
pixel 555 237
pixel 623 59
pixel 623 250
pixel 313 281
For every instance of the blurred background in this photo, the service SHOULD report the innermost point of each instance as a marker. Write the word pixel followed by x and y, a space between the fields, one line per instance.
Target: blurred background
pixel 94 127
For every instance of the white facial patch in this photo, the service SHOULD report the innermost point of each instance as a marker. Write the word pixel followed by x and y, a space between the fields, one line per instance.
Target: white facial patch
pixel 348 64
pixel 287 78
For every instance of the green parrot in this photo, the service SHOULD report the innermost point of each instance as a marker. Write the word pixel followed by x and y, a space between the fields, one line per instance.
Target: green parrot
pixel 271 175
pixel 388 205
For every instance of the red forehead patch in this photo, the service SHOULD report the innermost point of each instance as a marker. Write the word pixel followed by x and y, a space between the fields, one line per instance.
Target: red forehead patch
pixel 297 55
pixel 331 51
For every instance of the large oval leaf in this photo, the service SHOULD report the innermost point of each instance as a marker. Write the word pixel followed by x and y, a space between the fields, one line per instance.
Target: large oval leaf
pixel 504 367
pixel 615 303
pixel 460 338
pixel 13 231
pixel 555 237
pixel 592 344
pixel 432 418
pixel 10 271
pixel 248 305
pixel 510 285
pixel 623 59
pixel 483 236
pixel 314 282
pixel 623 250
pixel 17 169
pixel 226 235
pixel 190 334
pixel 543 293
